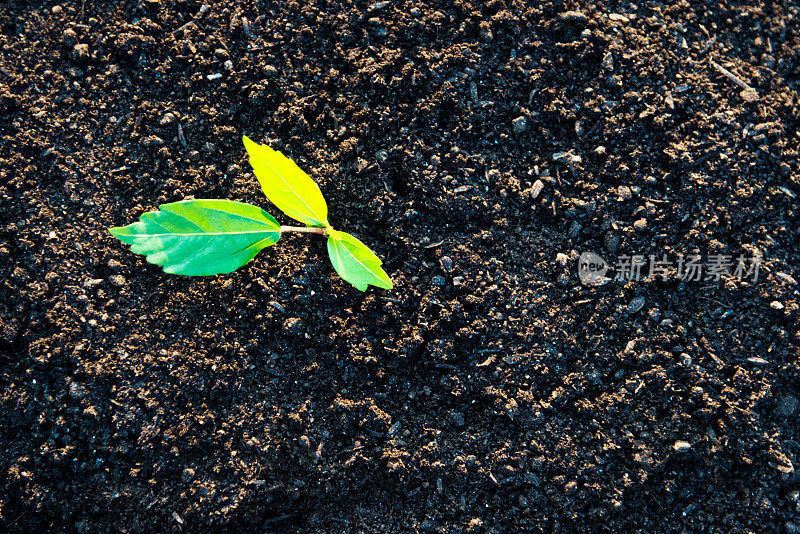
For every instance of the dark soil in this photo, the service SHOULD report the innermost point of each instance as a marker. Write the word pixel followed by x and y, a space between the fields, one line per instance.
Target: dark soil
pixel 490 391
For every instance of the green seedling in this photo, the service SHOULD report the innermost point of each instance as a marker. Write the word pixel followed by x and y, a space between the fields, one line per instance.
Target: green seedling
pixel 207 237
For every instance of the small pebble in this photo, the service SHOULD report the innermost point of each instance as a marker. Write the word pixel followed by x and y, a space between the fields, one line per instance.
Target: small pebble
pixel 457 418
pixel 394 430
pixel 611 242
pixel 69 37
pixel 152 141
pixel 520 125
pixel 377 6
pixel 438 280
pixel 446 264
pixel 636 304
pixel 117 280
pixel 608 62
pixel 486 32
pixel 573 16
pixel 80 51
pixel 292 326
pixel 681 447
pixel 575 229
pixel 269 71
pixel 536 189
pixel 77 391
pixel 167 120
pixel 775 305
pixel 749 95
pixel 787 405
pixel 187 475
pixel 567 157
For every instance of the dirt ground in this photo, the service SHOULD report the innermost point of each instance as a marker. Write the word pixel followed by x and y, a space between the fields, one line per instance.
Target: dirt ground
pixel 479 148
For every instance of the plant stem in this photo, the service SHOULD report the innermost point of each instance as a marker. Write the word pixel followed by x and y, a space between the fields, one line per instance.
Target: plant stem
pixel 304 230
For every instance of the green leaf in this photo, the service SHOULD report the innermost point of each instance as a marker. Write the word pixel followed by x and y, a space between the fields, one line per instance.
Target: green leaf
pixel 355 262
pixel 287 186
pixel 201 237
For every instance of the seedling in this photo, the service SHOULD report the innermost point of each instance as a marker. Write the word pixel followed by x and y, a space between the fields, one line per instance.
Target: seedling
pixel 207 237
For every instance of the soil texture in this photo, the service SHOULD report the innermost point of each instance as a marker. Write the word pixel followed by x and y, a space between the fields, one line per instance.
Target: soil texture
pixel 479 148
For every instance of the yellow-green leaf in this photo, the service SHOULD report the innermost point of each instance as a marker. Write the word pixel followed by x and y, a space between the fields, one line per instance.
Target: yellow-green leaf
pixel 355 262
pixel 286 185
pixel 201 237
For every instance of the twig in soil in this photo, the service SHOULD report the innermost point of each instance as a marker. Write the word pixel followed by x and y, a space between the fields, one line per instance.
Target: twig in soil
pixel 181 137
pixel 17 519
pixel 373 433
pixel 276 519
pixel 197 17
pixel 714 301
pixel 731 76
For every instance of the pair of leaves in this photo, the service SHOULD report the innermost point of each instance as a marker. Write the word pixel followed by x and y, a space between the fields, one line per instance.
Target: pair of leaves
pixel 206 237
pixel 298 196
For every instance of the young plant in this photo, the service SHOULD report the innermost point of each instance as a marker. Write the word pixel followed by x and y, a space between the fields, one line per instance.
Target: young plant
pixel 207 237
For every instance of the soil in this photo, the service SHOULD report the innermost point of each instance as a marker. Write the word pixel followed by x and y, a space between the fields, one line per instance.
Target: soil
pixel 479 148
